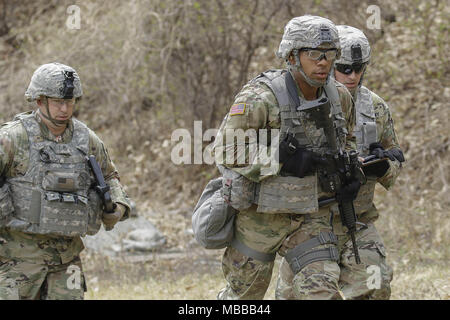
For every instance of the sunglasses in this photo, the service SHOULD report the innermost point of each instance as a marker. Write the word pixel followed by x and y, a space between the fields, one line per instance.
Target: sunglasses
pixel 317 54
pixel 349 68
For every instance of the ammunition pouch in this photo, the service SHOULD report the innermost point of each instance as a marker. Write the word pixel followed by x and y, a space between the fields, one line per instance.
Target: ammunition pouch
pixel 366 127
pixel 368 135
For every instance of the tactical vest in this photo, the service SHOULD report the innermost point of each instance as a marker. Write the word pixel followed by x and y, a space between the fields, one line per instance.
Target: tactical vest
pixel 288 194
pixel 54 196
pixel 366 133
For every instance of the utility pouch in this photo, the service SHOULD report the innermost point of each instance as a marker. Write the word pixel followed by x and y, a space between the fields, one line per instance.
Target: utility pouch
pixel 369 134
pixel 213 218
pixel 289 194
pixel 95 211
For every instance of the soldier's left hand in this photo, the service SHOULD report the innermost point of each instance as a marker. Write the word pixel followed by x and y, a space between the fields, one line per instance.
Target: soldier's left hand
pixel 110 219
pixel 393 154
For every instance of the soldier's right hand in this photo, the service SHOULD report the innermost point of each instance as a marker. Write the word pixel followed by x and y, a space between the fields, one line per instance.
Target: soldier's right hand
pixel 296 160
pixel 110 219
pixel 348 192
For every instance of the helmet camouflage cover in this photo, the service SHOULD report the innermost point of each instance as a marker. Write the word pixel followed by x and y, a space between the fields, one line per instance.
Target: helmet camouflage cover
pixel 54 80
pixel 355 47
pixel 308 32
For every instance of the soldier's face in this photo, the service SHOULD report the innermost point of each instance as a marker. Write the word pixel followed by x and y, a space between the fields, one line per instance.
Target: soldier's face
pixel 60 109
pixel 315 69
pixel 351 80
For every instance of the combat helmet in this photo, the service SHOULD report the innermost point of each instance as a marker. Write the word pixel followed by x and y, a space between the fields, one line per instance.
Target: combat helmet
pixel 307 32
pixel 54 80
pixel 355 48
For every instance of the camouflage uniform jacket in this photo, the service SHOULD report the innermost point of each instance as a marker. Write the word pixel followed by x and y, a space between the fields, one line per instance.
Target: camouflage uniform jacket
pixel 262 112
pixel 14 161
pixel 387 137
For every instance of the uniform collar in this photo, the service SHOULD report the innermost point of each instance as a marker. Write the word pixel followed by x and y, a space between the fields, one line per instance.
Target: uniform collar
pixel 47 135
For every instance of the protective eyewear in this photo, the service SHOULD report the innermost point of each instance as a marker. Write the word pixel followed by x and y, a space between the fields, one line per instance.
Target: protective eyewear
pixel 317 54
pixel 61 102
pixel 349 68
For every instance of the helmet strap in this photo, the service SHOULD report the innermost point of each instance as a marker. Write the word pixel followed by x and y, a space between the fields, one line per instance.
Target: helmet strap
pixel 298 67
pixel 362 76
pixel 48 116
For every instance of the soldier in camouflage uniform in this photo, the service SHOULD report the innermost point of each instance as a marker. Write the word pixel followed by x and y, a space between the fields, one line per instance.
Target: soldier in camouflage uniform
pixel 374 133
pixel 277 202
pixel 47 202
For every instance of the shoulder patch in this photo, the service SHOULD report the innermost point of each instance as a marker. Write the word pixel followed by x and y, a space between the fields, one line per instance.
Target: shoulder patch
pixel 238 108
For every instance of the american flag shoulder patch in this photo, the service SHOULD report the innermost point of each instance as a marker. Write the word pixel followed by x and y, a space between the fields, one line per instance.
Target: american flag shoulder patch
pixel 236 109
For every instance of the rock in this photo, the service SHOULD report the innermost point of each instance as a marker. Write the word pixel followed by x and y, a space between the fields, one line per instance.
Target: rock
pixel 149 239
pixel 132 235
pixel 134 209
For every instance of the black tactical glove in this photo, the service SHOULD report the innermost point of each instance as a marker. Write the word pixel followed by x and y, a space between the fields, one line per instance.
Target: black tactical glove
pixel 393 154
pixel 380 168
pixel 348 192
pixel 296 160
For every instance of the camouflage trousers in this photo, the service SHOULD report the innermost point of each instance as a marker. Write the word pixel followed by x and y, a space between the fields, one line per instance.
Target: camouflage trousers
pixel 31 281
pixel 248 278
pixel 344 279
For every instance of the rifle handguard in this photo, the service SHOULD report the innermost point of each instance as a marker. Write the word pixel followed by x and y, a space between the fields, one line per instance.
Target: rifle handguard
pixel 348 218
pixel 101 188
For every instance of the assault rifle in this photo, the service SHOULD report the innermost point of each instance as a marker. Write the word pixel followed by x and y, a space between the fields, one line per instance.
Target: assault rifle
pixel 101 187
pixel 365 162
pixel 337 169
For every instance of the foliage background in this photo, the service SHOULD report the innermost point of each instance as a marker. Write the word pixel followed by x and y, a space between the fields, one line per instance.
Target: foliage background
pixel 151 66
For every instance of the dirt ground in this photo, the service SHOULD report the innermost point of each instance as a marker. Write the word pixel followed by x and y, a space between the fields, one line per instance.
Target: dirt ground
pixel 194 273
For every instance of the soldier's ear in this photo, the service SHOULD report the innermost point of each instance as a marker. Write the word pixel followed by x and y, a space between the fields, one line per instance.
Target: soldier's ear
pixel 291 59
pixel 40 101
